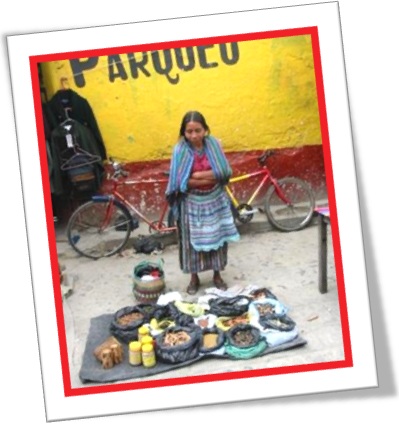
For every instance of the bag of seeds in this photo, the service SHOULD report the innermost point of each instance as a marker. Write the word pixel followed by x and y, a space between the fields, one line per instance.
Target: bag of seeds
pixel 261 293
pixel 126 322
pixel 244 341
pixel 212 340
pixel 266 308
pixel 243 335
pixel 178 344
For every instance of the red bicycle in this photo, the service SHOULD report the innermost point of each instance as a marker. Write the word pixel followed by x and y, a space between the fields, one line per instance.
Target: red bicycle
pixel 101 227
pixel 288 204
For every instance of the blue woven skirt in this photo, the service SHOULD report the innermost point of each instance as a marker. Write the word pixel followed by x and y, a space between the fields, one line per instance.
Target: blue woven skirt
pixel 205 227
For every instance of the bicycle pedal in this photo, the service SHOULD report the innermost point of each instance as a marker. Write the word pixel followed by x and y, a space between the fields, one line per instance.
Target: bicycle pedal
pixel 245 213
pixel 251 212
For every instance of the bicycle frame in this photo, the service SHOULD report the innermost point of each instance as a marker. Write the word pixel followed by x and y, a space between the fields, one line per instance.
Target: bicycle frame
pixel 266 177
pixel 115 196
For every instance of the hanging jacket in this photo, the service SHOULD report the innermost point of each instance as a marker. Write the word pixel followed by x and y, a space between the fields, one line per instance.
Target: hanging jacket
pixel 62 149
pixel 79 109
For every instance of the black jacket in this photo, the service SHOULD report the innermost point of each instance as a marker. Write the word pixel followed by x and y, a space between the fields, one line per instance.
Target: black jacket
pixel 68 103
pixel 67 139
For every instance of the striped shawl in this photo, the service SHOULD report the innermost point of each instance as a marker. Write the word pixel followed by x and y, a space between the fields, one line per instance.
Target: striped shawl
pixel 182 162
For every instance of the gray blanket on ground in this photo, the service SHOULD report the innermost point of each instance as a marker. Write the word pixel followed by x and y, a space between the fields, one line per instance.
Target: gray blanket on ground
pixel 92 371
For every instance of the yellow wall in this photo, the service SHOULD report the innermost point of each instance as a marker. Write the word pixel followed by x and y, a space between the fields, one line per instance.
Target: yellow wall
pixel 255 95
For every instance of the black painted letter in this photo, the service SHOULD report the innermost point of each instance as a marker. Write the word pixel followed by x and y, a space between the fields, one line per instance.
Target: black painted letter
pixel 190 59
pixel 202 57
pixel 119 72
pixel 164 70
pixel 136 65
pixel 79 65
pixel 234 56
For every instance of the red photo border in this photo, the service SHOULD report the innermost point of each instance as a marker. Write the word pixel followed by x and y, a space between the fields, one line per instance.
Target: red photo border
pixel 347 362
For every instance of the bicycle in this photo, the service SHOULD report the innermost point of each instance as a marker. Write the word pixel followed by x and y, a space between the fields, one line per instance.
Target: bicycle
pixel 288 204
pixel 102 226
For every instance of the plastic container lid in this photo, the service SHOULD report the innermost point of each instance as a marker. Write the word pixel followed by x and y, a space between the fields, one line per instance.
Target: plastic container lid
pixel 147 339
pixel 147 347
pixel 144 330
pixel 135 345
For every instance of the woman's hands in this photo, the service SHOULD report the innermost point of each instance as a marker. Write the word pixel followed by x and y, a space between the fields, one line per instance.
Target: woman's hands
pixel 202 178
pixel 199 175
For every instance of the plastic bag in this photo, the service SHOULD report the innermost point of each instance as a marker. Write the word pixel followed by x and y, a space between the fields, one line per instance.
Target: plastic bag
pixel 244 341
pixel 188 308
pixel 225 323
pixel 283 323
pixel 129 331
pixel 266 308
pixel 243 335
pixel 205 321
pixel 172 313
pixel 149 268
pixel 246 352
pixel 229 306
pixel 277 338
pixel 178 344
pixel 147 245
pixel 262 293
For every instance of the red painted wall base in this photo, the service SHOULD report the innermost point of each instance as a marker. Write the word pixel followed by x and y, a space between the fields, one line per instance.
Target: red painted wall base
pixel 304 162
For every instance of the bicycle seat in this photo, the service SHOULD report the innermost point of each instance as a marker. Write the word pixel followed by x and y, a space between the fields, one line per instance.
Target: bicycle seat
pixel 265 155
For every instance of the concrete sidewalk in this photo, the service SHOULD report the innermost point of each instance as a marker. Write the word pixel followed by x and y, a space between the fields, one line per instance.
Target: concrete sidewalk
pixel 285 263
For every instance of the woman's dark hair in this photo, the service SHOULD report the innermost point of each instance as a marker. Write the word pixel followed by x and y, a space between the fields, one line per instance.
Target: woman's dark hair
pixel 193 116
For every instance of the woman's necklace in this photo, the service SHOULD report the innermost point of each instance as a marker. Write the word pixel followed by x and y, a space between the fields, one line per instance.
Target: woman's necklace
pixel 198 149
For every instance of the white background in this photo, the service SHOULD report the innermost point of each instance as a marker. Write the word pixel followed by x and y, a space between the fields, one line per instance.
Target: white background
pixel 369 48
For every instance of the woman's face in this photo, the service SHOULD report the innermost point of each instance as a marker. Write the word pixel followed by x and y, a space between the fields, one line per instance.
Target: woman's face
pixel 194 132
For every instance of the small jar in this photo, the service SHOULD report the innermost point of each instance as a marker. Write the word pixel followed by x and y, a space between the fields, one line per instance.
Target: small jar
pixel 148 355
pixel 135 353
pixel 147 339
pixel 143 331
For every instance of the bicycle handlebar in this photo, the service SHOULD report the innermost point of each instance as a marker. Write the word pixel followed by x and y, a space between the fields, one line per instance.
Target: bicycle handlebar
pixel 118 169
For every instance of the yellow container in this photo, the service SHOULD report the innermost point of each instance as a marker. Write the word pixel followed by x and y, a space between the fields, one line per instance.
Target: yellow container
pixel 135 353
pixel 148 355
pixel 143 331
pixel 147 339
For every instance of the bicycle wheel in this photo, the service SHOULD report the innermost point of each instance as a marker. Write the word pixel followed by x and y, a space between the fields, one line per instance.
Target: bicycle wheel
pixel 99 228
pixel 295 214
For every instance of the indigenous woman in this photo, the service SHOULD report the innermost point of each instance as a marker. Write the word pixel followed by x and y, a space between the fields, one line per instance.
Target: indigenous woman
pixel 198 172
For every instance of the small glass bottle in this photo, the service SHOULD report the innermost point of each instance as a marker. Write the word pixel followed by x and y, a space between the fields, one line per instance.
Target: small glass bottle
pixel 135 353
pixel 148 355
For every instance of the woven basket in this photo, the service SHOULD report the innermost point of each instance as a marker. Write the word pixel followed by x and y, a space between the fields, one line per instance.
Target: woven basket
pixel 148 291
